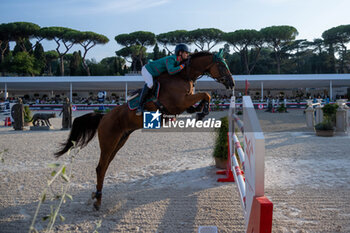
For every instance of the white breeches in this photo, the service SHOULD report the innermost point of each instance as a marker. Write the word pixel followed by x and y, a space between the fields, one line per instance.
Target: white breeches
pixel 147 77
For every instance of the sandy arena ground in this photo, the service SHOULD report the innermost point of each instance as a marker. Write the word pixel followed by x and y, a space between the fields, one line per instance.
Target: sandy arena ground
pixel 166 182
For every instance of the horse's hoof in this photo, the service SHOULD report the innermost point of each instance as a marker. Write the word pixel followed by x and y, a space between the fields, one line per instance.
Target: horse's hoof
pixel 199 116
pixel 97 206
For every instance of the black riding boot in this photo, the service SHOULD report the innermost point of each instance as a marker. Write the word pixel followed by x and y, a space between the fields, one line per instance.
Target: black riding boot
pixel 143 98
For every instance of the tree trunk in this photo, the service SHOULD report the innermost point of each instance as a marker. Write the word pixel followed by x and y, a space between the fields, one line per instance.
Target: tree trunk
pixel 3 54
pixel 255 60
pixel 86 49
pixel 86 67
pixel 134 64
pixel 62 65
pixel 50 69
pixel 278 62
pixel 246 62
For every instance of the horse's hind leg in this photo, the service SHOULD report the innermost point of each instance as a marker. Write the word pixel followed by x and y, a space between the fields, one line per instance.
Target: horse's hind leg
pixel 106 157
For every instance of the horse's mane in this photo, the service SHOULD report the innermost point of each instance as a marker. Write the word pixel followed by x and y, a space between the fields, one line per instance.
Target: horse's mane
pixel 200 54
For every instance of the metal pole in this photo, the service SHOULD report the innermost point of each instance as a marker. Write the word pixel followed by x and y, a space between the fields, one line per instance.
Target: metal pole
pixel 126 92
pixel 330 91
pixel 5 94
pixel 262 91
pixel 71 92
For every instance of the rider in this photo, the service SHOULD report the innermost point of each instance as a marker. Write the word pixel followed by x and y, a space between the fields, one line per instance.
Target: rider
pixel 171 64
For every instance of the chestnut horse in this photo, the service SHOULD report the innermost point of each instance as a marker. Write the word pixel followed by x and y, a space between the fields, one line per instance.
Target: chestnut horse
pixel 176 95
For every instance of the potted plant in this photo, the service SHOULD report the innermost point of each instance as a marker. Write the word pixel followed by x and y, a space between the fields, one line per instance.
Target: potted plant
pixel 281 108
pixel 27 116
pixel 221 144
pixel 327 127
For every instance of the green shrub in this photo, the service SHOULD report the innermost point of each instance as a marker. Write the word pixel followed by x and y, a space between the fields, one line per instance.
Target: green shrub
pixel 282 108
pixel 325 125
pixel 27 114
pixel 221 144
pixel 107 110
pixel 329 112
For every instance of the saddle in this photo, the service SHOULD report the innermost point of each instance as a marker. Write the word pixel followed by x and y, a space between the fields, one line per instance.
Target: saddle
pixel 134 99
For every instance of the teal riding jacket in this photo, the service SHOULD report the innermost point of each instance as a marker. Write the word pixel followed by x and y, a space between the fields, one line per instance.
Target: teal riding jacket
pixel 169 64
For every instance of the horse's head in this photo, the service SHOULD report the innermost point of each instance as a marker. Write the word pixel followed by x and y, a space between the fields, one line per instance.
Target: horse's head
pixel 220 71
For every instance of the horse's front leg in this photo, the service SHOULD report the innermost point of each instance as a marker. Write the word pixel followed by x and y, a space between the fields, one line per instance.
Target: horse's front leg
pixel 203 106
pixel 198 108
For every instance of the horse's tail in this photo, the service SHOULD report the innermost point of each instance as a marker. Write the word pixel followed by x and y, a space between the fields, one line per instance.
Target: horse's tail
pixel 83 131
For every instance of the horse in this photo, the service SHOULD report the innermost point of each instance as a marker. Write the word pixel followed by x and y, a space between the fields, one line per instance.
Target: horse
pixel 175 95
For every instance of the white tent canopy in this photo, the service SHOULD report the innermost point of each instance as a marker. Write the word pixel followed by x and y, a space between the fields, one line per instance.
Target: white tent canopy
pixel 121 83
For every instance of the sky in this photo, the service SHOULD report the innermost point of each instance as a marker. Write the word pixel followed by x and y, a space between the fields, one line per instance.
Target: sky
pixel 113 17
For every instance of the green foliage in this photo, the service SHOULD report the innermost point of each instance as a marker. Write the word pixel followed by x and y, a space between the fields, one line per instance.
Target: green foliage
pixel 325 125
pixel 339 37
pixel 281 108
pixel 62 36
pixel 135 47
pixel 156 53
pixel 242 39
pixel 59 171
pixel 98 224
pixel 276 37
pixel 255 52
pixel 112 66
pixel 23 64
pixel 23 46
pixel 75 62
pixel 27 114
pixel 22 30
pixel 221 144
pixel 106 110
pixel 278 34
pixel 205 38
pixel 329 112
pixel 329 115
pixel 51 60
pixel 88 40
pixel 39 55
pixel 3 152
pixel 172 38
pixel 339 34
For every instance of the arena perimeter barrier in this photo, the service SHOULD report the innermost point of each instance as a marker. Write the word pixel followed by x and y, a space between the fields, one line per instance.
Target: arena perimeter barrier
pixel 256 206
